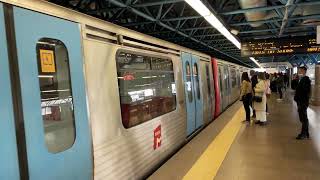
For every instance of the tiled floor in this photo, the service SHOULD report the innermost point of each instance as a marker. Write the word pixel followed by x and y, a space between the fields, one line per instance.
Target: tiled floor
pixel 271 152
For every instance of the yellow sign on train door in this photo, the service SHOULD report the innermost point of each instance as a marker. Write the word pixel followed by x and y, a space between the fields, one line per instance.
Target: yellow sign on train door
pixel 47 61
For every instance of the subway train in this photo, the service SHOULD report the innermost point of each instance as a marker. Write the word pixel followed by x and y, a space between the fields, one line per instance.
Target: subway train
pixel 82 98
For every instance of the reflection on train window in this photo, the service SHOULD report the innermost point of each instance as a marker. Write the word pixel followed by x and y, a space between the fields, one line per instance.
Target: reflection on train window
pixel 208 80
pixel 233 78
pixel 226 79
pixel 195 73
pixel 147 87
pixel 56 94
pixel 189 83
pixel 220 80
pixel 238 78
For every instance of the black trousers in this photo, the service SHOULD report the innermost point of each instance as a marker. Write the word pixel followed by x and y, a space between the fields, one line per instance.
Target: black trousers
pixel 246 100
pixel 280 92
pixel 303 116
pixel 266 107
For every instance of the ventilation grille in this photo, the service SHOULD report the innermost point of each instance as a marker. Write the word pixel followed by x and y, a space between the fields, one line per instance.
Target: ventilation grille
pixel 111 37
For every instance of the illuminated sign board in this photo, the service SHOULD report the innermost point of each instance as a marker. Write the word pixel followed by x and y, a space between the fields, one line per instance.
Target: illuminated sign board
pixel 280 46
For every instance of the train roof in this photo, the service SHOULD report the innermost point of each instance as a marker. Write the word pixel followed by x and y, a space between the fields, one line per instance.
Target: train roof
pixel 92 22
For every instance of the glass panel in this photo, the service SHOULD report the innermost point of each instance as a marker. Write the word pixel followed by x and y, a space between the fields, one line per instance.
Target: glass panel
pixel 146 86
pixel 189 83
pixel 208 80
pixel 226 78
pixel 233 77
pixel 220 80
pixel 56 94
pixel 196 77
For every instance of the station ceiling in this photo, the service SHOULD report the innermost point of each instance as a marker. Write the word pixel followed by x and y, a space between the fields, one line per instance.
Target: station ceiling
pixel 177 22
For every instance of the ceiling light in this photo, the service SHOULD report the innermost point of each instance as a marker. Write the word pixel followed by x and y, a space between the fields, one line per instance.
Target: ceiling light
pixel 255 61
pixel 213 20
pixel 202 9
pixel 199 7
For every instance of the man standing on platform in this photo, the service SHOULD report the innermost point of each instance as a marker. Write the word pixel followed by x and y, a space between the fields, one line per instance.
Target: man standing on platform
pixel 302 97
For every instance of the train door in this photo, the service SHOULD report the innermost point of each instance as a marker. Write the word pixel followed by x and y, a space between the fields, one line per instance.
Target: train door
pixel 207 92
pixel 50 68
pixel 197 90
pixel 228 85
pixel 223 87
pixel 191 79
pixel 9 168
pixel 209 85
pixel 233 83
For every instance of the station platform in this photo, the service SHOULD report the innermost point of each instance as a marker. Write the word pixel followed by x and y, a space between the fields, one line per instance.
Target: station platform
pixel 228 149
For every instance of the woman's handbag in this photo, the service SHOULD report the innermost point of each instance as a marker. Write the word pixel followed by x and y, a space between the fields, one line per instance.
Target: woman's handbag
pixel 257 98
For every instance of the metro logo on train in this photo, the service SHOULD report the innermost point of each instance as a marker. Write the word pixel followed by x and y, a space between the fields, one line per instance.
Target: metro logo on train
pixel 157 137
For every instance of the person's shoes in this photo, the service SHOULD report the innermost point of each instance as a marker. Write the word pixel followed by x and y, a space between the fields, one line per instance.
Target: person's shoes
pixel 279 99
pixel 263 123
pixel 244 121
pixel 258 122
pixel 301 137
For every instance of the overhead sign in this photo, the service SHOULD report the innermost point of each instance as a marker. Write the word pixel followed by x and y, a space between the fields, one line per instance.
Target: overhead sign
pixel 280 46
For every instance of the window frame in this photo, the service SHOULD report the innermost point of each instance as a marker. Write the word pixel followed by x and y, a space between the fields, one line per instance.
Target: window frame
pixel 38 48
pixel 121 50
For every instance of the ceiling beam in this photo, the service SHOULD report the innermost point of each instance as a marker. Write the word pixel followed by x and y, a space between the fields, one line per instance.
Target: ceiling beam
pixel 272 29
pixel 160 23
pixel 266 8
pixel 277 20
pixel 157 3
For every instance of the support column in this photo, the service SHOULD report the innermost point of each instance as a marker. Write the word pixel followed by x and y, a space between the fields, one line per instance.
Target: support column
pixel 315 95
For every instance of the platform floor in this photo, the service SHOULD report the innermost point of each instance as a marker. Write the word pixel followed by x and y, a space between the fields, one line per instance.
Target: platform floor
pixel 230 150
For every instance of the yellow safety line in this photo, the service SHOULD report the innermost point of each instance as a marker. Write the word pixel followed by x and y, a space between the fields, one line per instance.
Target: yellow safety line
pixel 208 164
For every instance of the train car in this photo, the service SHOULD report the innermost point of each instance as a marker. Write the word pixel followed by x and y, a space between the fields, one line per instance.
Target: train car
pixel 86 99
pixel 227 83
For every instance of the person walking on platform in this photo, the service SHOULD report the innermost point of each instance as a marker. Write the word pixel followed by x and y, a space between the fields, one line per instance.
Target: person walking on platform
pixel 286 81
pixel 260 100
pixel 280 85
pixel 302 97
pixel 254 81
pixel 246 94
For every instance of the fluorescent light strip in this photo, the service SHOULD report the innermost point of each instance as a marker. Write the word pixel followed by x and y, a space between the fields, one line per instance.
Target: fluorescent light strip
pixel 213 20
pixel 256 62
pixel 202 9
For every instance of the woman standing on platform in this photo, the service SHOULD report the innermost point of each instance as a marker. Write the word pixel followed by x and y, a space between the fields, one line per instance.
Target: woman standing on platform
pixel 246 94
pixel 260 100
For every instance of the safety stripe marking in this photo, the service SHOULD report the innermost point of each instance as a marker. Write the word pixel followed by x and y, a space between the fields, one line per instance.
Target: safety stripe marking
pixel 208 164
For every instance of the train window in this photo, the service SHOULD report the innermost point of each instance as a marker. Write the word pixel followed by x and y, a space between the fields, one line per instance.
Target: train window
pixel 226 79
pixel 220 79
pixel 189 83
pixel 196 75
pixel 56 95
pixel 146 85
pixel 233 77
pixel 208 80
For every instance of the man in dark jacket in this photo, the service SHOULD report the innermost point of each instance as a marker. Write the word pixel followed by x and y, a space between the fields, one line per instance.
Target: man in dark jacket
pixel 280 85
pixel 254 82
pixel 302 97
